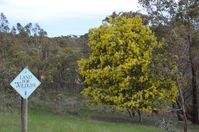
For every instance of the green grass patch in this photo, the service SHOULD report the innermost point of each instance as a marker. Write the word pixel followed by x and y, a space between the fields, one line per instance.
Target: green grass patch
pixel 49 122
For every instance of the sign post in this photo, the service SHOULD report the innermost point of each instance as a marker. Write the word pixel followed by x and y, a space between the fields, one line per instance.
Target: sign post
pixel 25 84
pixel 24 115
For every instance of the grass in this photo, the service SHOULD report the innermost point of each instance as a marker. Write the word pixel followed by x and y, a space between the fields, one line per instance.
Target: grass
pixel 73 114
pixel 40 121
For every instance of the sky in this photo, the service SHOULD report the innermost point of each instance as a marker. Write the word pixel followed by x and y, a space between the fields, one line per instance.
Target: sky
pixel 64 17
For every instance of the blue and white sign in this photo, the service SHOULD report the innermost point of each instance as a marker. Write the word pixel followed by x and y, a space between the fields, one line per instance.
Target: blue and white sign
pixel 25 83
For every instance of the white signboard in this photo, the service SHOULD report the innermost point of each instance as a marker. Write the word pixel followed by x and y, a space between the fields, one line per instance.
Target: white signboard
pixel 25 83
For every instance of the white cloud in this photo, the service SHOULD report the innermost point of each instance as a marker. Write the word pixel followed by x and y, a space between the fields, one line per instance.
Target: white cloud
pixel 51 9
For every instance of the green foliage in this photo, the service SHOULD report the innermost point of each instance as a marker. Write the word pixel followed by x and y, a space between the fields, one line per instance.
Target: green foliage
pixel 121 70
pixel 62 70
pixel 3 23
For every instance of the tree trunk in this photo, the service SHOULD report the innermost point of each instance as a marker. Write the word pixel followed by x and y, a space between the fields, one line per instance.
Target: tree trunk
pixel 140 116
pixel 194 113
pixel 183 109
pixel 195 119
pixel 131 113
pixel 179 112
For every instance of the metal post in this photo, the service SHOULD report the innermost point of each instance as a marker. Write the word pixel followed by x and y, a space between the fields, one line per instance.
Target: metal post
pixel 24 115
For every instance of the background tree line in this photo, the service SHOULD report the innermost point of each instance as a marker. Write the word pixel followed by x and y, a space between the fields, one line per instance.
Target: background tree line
pixel 52 60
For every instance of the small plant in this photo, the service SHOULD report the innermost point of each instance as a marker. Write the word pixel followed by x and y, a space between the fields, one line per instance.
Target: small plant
pixel 167 125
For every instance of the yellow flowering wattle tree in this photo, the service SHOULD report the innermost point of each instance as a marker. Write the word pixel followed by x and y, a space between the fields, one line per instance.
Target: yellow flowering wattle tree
pixel 121 70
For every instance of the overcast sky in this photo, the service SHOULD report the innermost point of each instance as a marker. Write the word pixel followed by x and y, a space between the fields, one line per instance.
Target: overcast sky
pixel 63 17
